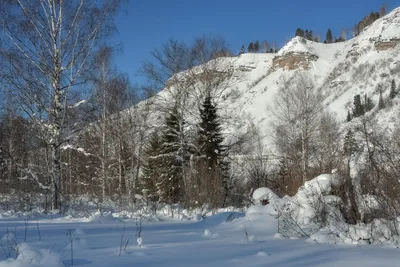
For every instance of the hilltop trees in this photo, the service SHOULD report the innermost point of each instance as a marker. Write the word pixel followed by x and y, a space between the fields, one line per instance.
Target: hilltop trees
pixel 299 32
pixel 368 20
pixel 329 37
pixel 242 50
pixel 250 48
pixel 265 47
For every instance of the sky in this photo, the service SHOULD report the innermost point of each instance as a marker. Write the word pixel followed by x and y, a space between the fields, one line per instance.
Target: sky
pixel 144 25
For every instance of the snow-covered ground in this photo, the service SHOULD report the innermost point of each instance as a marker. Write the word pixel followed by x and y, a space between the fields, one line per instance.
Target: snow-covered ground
pixel 210 242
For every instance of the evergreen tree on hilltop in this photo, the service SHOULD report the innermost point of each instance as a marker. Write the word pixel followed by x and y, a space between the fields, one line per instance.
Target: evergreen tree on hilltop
pixel 256 46
pixel 250 48
pixel 241 50
pixel 299 32
pixel 329 36
pixel 310 36
pixel 152 168
pixel 170 184
pixel 392 90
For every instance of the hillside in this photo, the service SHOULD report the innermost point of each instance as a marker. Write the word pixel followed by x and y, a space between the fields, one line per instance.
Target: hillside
pixel 339 70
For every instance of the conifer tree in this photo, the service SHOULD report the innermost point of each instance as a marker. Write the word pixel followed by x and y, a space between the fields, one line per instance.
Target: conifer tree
pixel 368 104
pixel 250 48
pixel 309 35
pixel 299 32
pixel 392 89
pixel 172 153
pixel 241 50
pixel 152 168
pixel 256 46
pixel 349 144
pixel 350 147
pixel 329 37
pixel 358 109
pixel 348 116
pixel 381 103
pixel 210 137
pixel 210 142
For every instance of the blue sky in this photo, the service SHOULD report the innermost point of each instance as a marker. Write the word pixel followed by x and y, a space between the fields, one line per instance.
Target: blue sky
pixel 146 24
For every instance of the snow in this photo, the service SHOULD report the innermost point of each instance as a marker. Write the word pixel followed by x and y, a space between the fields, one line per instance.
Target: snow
pixel 178 237
pixel 184 243
pixel 264 193
pixel 296 45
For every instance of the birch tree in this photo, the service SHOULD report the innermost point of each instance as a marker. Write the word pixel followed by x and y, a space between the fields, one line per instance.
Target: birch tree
pixel 297 110
pixel 46 48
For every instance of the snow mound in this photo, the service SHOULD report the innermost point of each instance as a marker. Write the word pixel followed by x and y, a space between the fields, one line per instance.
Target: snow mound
pixel 103 217
pixel 296 45
pixel 260 210
pixel 29 256
pixel 264 193
pixel 262 254
pixel 208 233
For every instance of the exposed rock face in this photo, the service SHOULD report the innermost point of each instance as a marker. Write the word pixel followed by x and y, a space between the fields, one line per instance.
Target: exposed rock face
pixel 386 45
pixel 293 61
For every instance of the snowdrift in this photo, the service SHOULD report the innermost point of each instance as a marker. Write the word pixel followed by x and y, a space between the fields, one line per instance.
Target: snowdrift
pixel 314 213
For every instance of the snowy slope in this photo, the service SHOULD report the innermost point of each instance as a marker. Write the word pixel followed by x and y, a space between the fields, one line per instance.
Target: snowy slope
pixel 341 71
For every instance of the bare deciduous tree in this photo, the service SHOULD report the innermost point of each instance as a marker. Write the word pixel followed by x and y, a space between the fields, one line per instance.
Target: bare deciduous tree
pixel 297 110
pixel 46 48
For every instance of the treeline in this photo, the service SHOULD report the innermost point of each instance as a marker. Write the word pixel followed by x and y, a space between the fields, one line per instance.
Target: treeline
pixel 368 20
pixel 330 38
pixel 256 47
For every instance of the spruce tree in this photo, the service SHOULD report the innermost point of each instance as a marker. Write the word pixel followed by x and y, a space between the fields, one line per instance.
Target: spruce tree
pixel 368 104
pixel 348 116
pixel 256 46
pixel 250 48
pixel 310 36
pixel 299 32
pixel 392 90
pixel 358 109
pixel 210 137
pixel 241 50
pixel 329 37
pixel 210 142
pixel 349 144
pixel 172 154
pixel 381 103
pixel 152 168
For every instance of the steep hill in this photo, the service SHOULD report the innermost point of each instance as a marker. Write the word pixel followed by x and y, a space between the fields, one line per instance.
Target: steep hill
pixel 339 70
